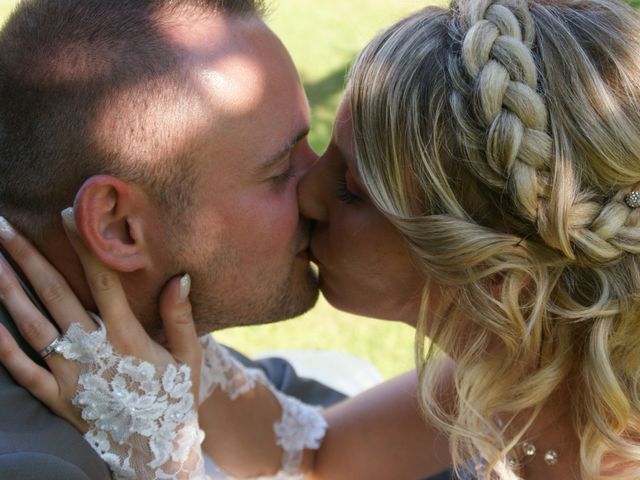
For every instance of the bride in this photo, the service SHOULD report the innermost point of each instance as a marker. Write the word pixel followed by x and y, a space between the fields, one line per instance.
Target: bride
pixel 482 184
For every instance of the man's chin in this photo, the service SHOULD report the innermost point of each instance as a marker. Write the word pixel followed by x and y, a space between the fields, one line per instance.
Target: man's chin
pixel 304 302
pixel 290 303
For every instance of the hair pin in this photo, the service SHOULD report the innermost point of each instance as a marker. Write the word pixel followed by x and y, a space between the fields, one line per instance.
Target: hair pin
pixel 632 199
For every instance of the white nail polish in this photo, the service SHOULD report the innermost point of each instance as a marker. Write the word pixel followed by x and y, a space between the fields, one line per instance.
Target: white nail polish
pixel 69 219
pixel 6 231
pixel 185 287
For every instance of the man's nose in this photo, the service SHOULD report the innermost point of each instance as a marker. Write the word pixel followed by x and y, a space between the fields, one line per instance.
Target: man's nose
pixel 312 193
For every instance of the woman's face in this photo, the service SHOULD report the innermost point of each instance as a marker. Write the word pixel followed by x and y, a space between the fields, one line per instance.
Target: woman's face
pixel 363 263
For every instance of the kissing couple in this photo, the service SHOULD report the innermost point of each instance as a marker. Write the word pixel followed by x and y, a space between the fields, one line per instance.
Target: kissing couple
pixel 482 185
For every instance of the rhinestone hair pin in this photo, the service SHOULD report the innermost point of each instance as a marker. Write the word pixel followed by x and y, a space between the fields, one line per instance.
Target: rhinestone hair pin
pixel 632 199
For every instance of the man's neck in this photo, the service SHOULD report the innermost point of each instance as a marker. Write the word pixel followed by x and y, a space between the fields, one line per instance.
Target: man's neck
pixel 59 252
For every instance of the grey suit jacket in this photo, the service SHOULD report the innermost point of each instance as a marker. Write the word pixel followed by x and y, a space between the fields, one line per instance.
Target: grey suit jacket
pixel 36 444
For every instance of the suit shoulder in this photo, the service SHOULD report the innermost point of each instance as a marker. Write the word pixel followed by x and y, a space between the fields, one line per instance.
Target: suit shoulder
pixel 37 465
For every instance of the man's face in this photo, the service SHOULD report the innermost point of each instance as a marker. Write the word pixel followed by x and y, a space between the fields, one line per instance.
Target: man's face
pixel 245 245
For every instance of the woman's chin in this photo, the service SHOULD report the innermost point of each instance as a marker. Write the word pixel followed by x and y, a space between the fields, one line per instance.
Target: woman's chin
pixel 352 303
pixel 343 300
pixel 337 297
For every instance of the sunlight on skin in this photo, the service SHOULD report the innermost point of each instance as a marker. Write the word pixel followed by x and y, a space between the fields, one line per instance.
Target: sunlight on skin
pixel 340 30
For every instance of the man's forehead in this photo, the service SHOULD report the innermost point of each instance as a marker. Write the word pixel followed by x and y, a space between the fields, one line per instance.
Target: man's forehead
pixel 233 62
pixel 240 99
pixel 261 110
pixel 235 85
pixel 202 39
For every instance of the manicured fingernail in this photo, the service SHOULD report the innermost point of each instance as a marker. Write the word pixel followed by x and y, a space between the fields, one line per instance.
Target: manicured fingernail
pixel 69 220
pixel 185 287
pixel 6 230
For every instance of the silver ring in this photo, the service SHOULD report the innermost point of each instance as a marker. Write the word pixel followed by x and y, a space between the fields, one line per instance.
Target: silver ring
pixel 53 347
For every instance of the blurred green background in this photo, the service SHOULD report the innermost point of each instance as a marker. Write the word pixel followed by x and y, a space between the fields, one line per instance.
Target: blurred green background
pixel 323 38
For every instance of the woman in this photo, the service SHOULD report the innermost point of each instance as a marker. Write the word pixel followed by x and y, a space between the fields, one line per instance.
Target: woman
pixel 498 141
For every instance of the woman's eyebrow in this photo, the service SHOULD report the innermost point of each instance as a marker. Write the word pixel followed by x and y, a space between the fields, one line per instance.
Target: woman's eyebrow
pixel 348 159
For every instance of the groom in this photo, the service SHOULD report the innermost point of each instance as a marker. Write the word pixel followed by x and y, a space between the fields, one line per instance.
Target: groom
pixel 177 129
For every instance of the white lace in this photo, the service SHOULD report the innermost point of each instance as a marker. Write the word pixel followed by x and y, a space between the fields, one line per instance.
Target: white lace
pixel 143 421
pixel 300 427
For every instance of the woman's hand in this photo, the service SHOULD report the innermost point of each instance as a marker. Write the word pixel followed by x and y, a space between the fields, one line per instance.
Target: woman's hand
pixel 135 406
pixel 57 386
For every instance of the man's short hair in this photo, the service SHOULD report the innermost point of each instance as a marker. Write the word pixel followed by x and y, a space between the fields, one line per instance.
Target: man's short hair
pixel 63 60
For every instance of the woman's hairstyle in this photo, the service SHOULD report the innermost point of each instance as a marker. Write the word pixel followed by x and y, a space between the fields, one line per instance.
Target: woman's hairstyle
pixel 501 138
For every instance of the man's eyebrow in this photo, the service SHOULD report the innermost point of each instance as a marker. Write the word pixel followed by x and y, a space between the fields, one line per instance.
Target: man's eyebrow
pixel 275 159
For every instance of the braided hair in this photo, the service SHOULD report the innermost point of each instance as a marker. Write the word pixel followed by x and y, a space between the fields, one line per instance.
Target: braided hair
pixel 501 138
pixel 502 117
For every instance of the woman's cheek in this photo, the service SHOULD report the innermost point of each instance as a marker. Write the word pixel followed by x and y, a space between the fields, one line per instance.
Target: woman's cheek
pixel 353 241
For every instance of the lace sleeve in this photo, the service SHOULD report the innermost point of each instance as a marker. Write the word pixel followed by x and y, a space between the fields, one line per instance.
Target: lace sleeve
pixel 142 420
pixel 300 426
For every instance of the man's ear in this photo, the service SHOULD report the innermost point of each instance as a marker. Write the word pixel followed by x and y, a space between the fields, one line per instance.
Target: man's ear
pixel 109 215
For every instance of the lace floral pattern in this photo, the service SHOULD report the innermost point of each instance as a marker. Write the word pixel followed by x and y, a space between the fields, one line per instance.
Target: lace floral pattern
pixel 300 427
pixel 221 370
pixel 142 421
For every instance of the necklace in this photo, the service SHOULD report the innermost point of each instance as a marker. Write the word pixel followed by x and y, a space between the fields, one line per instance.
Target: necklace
pixel 526 452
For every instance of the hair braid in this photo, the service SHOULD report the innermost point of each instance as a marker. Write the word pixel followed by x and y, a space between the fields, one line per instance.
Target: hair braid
pixel 503 127
pixel 503 120
pixel 500 138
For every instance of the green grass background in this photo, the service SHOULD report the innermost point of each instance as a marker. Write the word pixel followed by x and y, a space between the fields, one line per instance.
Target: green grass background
pixel 323 38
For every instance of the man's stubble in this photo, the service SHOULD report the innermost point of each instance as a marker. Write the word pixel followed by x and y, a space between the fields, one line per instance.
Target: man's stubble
pixel 274 295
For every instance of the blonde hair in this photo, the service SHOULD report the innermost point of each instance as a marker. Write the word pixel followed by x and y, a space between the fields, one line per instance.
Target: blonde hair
pixel 501 137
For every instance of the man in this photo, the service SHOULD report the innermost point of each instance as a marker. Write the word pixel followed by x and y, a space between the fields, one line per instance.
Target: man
pixel 177 129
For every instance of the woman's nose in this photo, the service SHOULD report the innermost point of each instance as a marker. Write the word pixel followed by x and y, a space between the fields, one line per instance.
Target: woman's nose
pixel 312 192
pixel 307 158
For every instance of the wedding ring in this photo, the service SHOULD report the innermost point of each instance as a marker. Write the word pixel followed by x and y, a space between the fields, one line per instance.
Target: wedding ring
pixel 53 347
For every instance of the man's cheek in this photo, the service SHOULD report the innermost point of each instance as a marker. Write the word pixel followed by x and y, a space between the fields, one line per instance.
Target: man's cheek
pixel 281 219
